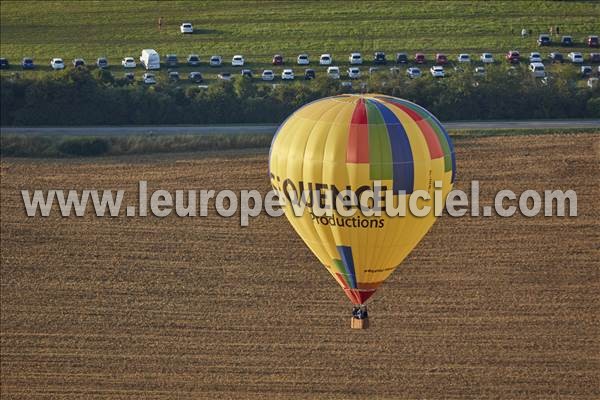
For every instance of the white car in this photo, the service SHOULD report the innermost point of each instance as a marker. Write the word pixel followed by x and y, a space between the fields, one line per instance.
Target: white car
pixel 333 72
pixel 237 61
pixel 57 63
pixel 355 59
pixel 128 62
pixel 487 58
pixel 413 72
pixel 148 78
pixel 268 75
pixel 464 58
pixel 437 71
pixel 215 61
pixel 479 71
pixel 592 82
pixel 303 59
pixel 224 76
pixel 537 70
pixel 325 59
pixel 186 27
pixel 535 57
pixel 287 74
pixel 576 58
pixel 353 72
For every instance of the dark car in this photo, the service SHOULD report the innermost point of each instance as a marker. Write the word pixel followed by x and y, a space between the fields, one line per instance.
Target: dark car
pixel 173 76
pixel 309 74
pixel 78 62
pixel 420 58
pixel 595 57
pixel 4 63
pixel 247 73
pixel 441 59
pixel 513 57
pixel 193 60
pixel 556 57
pixel 592 41
pixel 129 76
pixel 401 58
pixel 277 59
pixel 102 62
pixel 171 60
pixel 544 40
pixel 195 77
pixel 27 63
pixel 566 41
pixel 379 57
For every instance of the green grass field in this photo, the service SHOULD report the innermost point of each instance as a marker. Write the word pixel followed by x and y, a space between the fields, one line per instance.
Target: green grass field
pixel 89 29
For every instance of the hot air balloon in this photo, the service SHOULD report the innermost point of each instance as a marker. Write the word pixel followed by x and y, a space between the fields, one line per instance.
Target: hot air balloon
pixel 353 142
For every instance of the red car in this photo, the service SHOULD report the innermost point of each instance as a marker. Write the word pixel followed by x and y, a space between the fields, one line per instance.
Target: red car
pixel 420 58
pixel 592 41
pixel 277 59
pixel 441 59
pixel 513 57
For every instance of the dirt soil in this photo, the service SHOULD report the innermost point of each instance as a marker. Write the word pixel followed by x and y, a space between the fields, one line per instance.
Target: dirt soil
pixel 193 308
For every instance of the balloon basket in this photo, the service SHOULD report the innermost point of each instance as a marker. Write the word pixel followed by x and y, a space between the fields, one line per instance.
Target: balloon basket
pixel 356 323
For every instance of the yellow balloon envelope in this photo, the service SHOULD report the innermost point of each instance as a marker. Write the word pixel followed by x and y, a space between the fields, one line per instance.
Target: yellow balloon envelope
pixel 356 142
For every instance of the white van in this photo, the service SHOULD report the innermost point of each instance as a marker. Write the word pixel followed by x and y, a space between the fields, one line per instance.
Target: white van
pixel 537 70
pixel 150 59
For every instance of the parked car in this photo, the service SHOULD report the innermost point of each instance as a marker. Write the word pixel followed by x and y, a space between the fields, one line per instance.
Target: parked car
pixel 150 59
pixel 513 57
pixel 193 60
pixel 186 27
pixel 594 57
pixel 441 59
pixel 215 61
pixel 309 74
pixel 195 77
pixel 277 59
pixel 487 58
pixel 576 57
pixel 420 58
pixel 78 62
pixel 57 63
pixel 173 76
pixel 333 72
pixel 537 69
pixel 129 77
pixel 586 70
pixel 225 76
pixel 464 58
pixel 346 84
pixel 401 58
pixel 101 62
pixel 355 59
pixel 148 78
pixel 128 62
pixel 171 60
pixel 353 72
pixel 237 61
pixel 544 40
pixel 325 59
pixel 437 71
pixel 268 75
pixel 287 74
pixel 27 63
pixel 379 58
pixel 592 82
pixel 479 71
pixel 413 72
pixel 303 59
pixel 556 57
pixel 592 41
pixel 535 57
pixel 247 73
pixel 566 41
pixel 4 64
pixel 394 71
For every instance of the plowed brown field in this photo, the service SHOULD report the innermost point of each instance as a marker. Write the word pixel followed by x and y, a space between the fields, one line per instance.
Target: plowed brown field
pixel 165 308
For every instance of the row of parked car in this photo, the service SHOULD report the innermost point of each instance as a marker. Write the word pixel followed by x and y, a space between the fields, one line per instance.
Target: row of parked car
pixel 546 40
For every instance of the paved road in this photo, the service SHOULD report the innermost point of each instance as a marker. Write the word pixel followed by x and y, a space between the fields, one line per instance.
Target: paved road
pixel 231 129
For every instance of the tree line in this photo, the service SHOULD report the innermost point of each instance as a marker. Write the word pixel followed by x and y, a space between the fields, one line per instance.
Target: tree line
pixel 94 97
